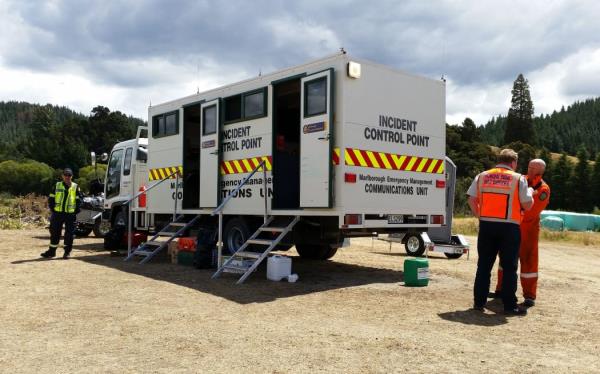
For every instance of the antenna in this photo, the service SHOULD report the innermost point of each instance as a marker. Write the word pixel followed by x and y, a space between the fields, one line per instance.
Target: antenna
pixel 342 50
pixel 197 77
pixel 260 72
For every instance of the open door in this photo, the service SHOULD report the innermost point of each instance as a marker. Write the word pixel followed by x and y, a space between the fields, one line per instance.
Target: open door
pixel 316 139
pixel 210 128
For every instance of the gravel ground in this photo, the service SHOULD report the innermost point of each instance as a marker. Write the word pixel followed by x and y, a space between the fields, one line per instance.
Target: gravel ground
pixel 95 313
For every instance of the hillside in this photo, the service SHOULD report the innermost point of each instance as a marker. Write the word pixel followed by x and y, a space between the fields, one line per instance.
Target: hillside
pixel 17 116
pixel 563 131
pixel 59 136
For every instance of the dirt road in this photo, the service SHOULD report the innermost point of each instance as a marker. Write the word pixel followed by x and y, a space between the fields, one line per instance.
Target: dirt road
pixel 95 313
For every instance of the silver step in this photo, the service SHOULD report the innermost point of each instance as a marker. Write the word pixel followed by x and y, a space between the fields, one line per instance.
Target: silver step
pixel 259 241
pixel 178 224
pixel 247 254
pixel 272 229
pixel 230 266
pixel 143 253
pixel 154 242
pixel 167 233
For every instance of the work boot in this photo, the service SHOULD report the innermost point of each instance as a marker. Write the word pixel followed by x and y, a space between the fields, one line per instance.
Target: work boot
pixel 528 303
pixel 516 311
pixel 67 254
pixel 495 295
pixel 48 254
pixel 479 308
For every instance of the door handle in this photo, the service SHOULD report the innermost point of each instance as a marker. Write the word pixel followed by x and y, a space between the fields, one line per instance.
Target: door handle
pixel 214 152
pixel 324 138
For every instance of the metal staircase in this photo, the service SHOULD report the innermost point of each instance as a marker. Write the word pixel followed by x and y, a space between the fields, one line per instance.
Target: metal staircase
pixel 244 261
pixel 153 246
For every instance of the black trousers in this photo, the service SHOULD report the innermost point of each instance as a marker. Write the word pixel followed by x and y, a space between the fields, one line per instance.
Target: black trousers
pixel 503 239
pixel 56 223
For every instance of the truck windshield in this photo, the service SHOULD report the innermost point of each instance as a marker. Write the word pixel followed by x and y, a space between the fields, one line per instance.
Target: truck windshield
pixel 113 175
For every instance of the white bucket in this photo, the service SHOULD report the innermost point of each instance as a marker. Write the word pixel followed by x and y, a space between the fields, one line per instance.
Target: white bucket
pixel 278 267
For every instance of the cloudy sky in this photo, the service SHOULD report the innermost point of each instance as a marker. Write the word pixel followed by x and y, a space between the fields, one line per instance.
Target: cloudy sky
pixel 126 54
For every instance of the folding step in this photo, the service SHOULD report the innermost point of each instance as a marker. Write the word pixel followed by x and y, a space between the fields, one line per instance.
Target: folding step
pixel 178 224
pixel 272 229
pixel 259 241
pixel 143 252
pixel 167 233
pixel 154 242
pixel 232 264
pixel 247 254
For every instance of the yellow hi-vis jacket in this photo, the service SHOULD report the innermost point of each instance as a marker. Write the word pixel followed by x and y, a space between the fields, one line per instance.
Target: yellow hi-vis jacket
pixel 60 194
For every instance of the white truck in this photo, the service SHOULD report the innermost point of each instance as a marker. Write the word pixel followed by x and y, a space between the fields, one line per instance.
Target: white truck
pixel 351 148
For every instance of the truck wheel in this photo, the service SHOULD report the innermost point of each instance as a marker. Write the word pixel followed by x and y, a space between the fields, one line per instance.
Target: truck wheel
pixel 414 245
pixel 453 256
pixel 316 251
pixel 82 232
pixel 101 228
pixel 235 234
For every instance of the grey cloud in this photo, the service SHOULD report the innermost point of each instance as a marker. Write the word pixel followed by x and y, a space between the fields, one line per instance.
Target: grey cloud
pixel 464 42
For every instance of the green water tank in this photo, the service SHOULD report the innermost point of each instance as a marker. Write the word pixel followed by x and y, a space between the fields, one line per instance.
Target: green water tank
pixel 416 272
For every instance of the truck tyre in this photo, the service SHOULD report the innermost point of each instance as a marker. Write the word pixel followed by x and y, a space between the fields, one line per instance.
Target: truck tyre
pixel 82 232
pixel 453 256
pixel 316 251
pixel 414 244
pixel 100 228
pixel 235 234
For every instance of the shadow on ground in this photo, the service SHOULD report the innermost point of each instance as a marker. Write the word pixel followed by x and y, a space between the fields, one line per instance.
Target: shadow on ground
pixel 315 276
pixel 493 316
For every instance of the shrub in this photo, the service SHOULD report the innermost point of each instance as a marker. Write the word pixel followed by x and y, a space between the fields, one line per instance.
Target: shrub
pixel 21 178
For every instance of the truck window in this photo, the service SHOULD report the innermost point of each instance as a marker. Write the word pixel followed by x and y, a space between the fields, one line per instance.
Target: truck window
pixel 209 120
pixel 165 124
pixel 254 104
pixel 113 175
pixel 127 163
pixel 233 108
pixel 315 97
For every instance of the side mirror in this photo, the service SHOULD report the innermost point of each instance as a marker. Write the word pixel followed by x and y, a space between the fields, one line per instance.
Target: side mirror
pixel 104 157
pixel 141 154
pixel 93 154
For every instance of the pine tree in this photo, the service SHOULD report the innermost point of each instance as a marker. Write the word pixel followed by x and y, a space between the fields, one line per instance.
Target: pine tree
pixel 469 131
pixel 545 155
pixel 519 123
pixel 580 183
pixel 595 183
pixel 561 174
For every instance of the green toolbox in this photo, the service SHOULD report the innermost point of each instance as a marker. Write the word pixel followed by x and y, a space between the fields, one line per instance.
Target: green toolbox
pixel 416 272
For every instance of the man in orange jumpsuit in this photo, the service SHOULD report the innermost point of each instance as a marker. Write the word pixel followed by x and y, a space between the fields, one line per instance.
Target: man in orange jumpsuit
pixel 530 230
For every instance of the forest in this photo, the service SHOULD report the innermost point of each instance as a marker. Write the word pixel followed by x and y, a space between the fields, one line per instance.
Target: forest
pixel 37 141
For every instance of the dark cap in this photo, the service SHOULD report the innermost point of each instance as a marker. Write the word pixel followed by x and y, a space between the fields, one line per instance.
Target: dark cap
pixel 68 171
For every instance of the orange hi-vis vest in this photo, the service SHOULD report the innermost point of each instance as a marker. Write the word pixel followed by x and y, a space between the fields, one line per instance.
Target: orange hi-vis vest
pixel 498 194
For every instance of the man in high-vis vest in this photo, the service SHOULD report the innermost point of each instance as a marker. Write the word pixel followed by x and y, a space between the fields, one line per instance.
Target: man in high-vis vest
pixel 530 231
pixel 64 204
pixel 497 197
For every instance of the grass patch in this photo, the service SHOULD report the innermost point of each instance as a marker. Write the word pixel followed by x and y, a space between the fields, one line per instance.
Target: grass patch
pixel 470 226
pixel 19 212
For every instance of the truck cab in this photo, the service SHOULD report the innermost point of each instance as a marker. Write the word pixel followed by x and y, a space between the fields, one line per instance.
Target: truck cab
pixel 126 174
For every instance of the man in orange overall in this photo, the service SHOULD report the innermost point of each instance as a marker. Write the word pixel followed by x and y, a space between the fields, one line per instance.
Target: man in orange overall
pixel 530 230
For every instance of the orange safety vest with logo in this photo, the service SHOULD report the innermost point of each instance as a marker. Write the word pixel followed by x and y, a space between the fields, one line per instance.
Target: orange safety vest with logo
pixel 498 194
pixel 60 194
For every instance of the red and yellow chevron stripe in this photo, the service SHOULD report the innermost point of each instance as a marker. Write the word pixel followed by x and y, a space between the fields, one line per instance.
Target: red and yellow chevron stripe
pixel 245 165
pixel 162 173
pixel 381 160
